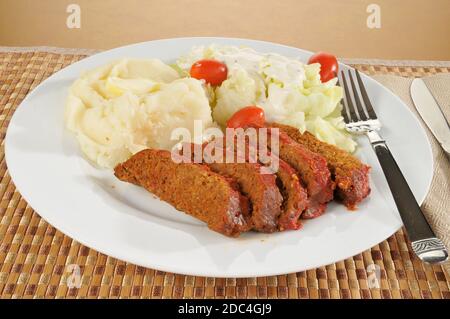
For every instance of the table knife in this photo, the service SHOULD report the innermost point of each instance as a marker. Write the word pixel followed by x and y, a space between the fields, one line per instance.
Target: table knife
pixel 431 113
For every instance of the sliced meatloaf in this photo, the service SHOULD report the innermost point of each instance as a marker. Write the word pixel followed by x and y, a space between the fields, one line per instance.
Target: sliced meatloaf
pixel 313 170
pixel 295 200
pixel 349 173
pixel 261 189
pixel 191 188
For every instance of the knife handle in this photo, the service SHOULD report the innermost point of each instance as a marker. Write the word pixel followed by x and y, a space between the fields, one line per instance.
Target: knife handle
pixel 424 242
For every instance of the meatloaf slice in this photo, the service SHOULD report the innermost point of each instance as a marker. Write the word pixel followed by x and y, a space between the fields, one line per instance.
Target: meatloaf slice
pixel 349 173
pixel 295 199
pixel 261 189
pixel 294 195
pixel 191 188
pixel 313 171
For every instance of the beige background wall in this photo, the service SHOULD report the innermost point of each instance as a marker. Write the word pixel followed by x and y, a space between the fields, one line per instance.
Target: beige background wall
pixel 411 29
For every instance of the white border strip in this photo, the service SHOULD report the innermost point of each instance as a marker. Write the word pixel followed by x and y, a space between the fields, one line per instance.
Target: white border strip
pixel 81 51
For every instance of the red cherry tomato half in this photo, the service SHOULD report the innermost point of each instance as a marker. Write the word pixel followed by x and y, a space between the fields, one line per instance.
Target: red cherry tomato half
pixel 328 65
pixel 247 116
pixel 212 71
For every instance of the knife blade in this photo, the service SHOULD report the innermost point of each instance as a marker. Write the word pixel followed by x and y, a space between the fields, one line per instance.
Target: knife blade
pixel 431 113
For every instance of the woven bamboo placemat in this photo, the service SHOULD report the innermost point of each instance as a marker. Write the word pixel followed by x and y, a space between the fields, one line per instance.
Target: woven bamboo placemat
pixel 38 261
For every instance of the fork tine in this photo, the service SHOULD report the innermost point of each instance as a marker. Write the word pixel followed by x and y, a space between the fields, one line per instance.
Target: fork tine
pixel 369 108
pixel 344 111
pixel 350 109
pixel 359 107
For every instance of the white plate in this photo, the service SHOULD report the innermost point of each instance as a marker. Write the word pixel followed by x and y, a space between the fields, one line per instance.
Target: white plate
pixel 126 222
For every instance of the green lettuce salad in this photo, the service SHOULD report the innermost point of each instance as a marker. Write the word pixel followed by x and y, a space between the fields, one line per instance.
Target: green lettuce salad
pixel 289 91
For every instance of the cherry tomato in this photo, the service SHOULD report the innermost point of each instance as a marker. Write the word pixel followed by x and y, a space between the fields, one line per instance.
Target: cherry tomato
pixel 212 71
pixel 328 65
pixel 247 116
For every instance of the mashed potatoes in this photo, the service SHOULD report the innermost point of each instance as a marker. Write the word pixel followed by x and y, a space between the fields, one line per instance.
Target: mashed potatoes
pixel 132 104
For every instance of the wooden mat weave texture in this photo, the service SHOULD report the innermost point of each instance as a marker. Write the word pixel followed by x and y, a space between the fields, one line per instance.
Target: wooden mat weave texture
pixel 37 261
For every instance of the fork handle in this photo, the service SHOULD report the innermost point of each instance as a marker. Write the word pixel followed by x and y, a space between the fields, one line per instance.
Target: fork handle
pixel 424 242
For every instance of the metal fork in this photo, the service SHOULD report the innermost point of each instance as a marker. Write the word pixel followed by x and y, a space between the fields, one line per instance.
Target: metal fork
pixel 360 118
